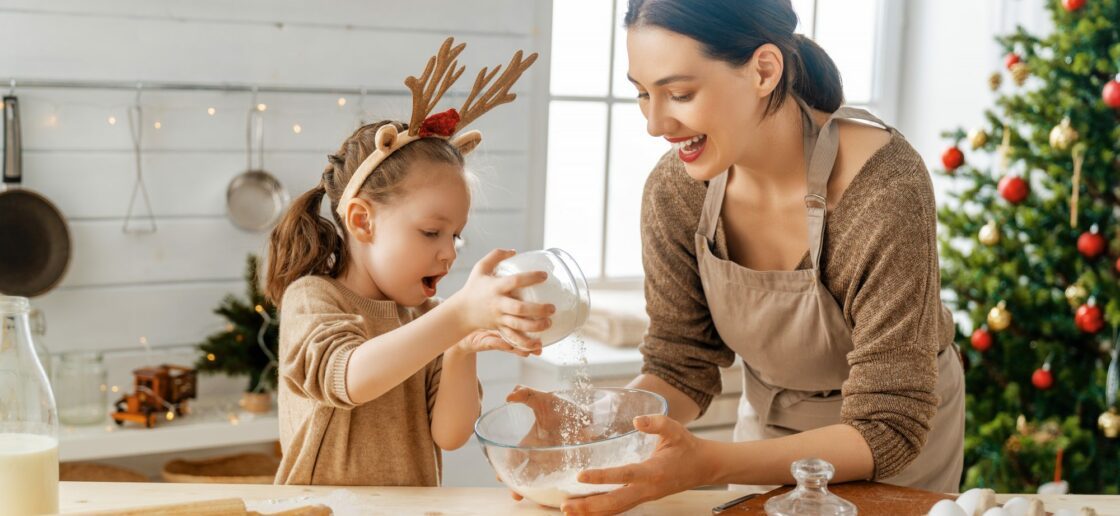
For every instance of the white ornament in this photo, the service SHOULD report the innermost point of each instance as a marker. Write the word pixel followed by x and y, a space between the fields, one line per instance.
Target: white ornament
pixel 1058 488
pixel 1016 506
pixel 946 508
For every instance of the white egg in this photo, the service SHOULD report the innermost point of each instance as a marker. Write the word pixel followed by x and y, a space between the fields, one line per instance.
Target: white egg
pixel 946 508
pixel 1016 506
pixel 1064 512
pixel 973 501
pixel 995 511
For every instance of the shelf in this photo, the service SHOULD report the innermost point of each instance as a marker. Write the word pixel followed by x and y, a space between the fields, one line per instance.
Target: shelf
pixel 209 425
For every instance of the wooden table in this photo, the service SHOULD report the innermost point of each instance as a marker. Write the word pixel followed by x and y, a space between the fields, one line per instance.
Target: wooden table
pixel 91 496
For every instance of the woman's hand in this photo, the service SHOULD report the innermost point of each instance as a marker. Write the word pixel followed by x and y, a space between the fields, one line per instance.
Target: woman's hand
pixel 490 340
pixel 487 302
pixel 680 462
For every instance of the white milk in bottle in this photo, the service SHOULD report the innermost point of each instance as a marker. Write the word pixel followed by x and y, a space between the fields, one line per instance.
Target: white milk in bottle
pixel 28 474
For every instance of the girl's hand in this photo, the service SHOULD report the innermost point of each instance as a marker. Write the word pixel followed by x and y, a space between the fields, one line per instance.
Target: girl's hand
pixel 490 340
pixel 487 301
pixel 681 461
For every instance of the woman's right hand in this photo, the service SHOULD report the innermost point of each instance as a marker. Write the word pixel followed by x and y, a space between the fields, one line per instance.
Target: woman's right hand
pixel 487 302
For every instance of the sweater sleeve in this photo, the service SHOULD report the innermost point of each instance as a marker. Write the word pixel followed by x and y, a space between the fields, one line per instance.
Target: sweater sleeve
pixel 895 311
pixel 317 336
pixel 681 345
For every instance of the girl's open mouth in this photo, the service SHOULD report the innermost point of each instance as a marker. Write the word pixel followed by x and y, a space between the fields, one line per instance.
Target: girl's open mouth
pixel 430 283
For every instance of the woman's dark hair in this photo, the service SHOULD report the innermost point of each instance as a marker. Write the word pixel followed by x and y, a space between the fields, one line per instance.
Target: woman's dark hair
pixel 731 31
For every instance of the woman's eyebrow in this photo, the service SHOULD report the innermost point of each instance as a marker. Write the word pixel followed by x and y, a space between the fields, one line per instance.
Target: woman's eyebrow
pixel 665 80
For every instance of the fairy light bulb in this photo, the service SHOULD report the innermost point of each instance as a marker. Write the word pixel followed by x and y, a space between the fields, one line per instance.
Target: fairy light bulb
pixel 170 415
pixel 262 106
pixel 211 111
pixel 112 120
pixel 157 125
pixel 115 388
pixel 211 357
pixel 296 128
pixel 341 101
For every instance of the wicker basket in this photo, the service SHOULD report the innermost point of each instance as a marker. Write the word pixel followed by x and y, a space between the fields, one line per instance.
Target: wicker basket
pixel 94 472
pixel 245 468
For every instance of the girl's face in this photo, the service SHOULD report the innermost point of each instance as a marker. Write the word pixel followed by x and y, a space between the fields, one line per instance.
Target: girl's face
pixel 707 109
pixel 414 238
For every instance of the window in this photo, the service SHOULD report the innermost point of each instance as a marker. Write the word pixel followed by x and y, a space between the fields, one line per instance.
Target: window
pixel 598 150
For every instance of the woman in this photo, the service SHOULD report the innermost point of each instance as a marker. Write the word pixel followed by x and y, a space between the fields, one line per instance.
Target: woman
pixel 783 232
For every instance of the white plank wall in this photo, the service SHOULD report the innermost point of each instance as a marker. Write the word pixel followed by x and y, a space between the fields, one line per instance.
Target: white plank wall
pixel 162 286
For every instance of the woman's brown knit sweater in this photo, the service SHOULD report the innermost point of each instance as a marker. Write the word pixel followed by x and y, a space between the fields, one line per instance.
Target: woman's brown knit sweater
pixel 879 262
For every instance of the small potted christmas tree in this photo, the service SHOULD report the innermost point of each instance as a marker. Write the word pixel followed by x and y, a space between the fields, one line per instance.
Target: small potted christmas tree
pixel 248 343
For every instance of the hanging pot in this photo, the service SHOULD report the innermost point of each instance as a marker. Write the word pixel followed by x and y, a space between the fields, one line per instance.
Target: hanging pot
pixel 255 199
pixel 34 238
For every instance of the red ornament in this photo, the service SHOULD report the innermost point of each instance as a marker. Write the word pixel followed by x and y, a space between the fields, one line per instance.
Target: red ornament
pixel 440 124
pixel 1073 5
pixel 1042 379
pixel 1091 244
pixel 1118 265
pixel 952 158
pixel 1014 189
pixel 1088 317
pixel 1011 60
pixel 1111 94
pixel 981 340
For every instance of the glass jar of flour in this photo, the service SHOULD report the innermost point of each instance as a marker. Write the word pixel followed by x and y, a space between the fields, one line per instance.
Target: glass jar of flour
pixel 565 288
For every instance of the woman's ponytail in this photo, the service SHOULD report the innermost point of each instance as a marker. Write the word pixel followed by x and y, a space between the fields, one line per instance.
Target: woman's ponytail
pixel 816 79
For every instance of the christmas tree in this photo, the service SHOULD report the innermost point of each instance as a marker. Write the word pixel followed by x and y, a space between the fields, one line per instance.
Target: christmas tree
pixel 1029 250
pixel 248 344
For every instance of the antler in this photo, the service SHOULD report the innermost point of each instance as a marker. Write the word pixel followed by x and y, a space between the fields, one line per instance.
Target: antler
pixel 498 93
pixel 441 73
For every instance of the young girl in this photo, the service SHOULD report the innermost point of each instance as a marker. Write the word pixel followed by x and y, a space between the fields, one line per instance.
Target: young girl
pixel 376 375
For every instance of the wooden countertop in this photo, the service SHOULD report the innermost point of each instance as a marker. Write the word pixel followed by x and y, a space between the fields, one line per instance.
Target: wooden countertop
pixel 94 496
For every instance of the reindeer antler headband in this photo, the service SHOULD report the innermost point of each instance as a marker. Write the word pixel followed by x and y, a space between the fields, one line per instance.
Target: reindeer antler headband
pixel 438 76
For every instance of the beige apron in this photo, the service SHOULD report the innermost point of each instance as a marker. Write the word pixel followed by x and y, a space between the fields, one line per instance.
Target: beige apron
pixel 794 340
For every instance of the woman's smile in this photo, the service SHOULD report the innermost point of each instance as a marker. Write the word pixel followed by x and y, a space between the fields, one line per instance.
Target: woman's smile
pixel 690 148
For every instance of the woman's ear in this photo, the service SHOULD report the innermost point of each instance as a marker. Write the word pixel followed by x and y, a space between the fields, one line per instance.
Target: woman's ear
pixel 359 220
pixel 767 66
pixel 467 141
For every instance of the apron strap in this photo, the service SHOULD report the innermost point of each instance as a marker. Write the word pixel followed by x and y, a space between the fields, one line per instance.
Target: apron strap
pixel 713 203
pixel 821 156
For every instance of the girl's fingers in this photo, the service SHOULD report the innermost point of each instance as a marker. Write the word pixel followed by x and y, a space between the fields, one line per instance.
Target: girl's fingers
pixel 524 324
pixel 524 279
pixel 519 308
pixel 487 263
pixel 520 340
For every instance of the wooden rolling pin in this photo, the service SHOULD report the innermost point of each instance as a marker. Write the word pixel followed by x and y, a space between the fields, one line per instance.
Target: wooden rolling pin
pixel 222 507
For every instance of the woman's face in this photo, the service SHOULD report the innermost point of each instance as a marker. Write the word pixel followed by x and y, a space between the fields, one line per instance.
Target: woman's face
pixel 706 108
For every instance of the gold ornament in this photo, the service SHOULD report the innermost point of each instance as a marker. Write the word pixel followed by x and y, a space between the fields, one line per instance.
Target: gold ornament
pixel 1019 73
pixel 998 317
pixel 1063 136
pixel 989 234
pixel 977 138
pixel 1109 423
pixel 994 80
pixel 1076 295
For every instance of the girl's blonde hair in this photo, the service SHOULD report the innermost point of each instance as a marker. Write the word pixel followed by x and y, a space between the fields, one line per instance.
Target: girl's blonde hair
pixel 306 243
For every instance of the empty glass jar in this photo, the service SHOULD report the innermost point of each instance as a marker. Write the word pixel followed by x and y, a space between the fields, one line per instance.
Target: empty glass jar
pixel 565 288
pixel 811 497
pixel 79 383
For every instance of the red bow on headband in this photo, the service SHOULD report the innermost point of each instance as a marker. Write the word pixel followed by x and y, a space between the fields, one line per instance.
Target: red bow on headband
pixel 440 124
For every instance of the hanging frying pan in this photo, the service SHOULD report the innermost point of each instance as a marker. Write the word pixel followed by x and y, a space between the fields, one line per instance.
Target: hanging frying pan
pixel 34 239
pixel 255 199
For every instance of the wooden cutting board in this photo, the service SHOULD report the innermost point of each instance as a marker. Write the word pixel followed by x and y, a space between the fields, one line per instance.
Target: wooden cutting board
pixel 871 498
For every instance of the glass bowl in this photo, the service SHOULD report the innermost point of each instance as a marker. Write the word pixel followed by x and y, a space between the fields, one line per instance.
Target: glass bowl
pixel 538 448
pixel 565 288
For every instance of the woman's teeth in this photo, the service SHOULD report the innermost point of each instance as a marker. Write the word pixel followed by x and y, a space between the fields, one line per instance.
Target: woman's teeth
pixel 690 144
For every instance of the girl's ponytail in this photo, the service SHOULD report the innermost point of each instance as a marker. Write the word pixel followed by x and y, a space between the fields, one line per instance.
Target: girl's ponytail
pixel 303 243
